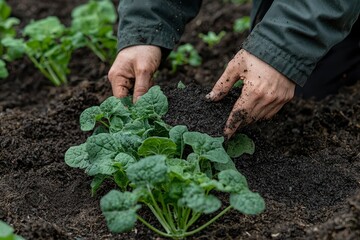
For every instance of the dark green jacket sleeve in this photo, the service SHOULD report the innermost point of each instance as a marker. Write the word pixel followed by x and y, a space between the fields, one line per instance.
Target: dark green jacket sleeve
pixel 154 22
pixel 294 35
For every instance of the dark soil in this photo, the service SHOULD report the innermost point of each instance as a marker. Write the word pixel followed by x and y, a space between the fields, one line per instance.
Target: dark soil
pixel 306 164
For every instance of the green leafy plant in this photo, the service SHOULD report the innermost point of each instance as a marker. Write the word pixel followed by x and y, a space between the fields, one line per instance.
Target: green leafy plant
pixel 7 232
pixel 145 157
pixel 242 24
pixel 48 48
pixel 92 23
pixel 211 38
pixel 185 54
pixel 10 48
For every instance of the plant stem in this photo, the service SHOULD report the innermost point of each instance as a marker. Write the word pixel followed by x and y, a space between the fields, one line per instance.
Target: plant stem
pixel 208 223
pixel 158 210
pixel 153 228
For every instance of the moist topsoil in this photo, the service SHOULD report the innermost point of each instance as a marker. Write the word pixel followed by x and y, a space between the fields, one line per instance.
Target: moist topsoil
pixel 306 164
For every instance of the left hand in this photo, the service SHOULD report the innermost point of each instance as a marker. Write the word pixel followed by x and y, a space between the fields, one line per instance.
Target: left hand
pixel 264 93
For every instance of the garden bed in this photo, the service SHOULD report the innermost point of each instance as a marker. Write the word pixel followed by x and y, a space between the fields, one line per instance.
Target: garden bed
pixel 306 164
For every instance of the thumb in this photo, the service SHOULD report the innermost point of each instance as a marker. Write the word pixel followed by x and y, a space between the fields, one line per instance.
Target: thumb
pixel 142 84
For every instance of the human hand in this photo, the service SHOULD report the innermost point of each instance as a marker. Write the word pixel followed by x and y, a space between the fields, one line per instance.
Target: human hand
pixel 264 92
pixel 133 68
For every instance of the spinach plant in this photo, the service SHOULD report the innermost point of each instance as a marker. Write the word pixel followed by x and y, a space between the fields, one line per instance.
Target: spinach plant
pixel 211 38
pixel 185 54
pixel 242 24
pixel 145 157
pixel 48 48
pixel 7 232
pixel 10 48
pixel 93 24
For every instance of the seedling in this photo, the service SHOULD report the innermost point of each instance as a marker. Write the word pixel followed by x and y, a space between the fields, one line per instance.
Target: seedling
pixel 241 24
pixel 211 38
pixel 9 47
pixel 145 157
pixel 7 232
pixel 93 23
pixel 48 48
pixel 185 54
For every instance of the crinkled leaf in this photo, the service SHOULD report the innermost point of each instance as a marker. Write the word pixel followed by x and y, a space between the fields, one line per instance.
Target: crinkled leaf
pixel 233 181
pixel 207 147
pixel 119 209
pixel 89 117
pixel 123 160
pixel 113 105
pixel 224 166
pixel 239 145
pixel 194 197
pixel 130 143
pixel 160 129
pixel 136 127
pixel 154 102
pixel 6 232
pixel 102 149
pixel 44 28
pixel 116 124
pixel 77 156
pixel 149 170
pixel 157 146
pixel 176 134
pixel 121 179
pixel 247 202
pixel 179 168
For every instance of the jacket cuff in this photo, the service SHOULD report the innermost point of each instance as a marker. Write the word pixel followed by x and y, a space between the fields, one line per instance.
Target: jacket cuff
pixel 293 67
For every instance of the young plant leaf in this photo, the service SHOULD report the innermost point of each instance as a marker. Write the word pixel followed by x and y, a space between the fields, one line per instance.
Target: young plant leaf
pixel 150 170
pixel 176 134
pixel 247 202
pixel 239 145
pixel 207 147
pixel 157 146
pixel 119 209
pixel 152 103
pixel 77 156
pixel 233 181
pixel 89 117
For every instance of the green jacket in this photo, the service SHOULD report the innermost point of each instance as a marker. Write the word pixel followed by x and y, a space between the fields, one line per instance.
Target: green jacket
pixel 291 36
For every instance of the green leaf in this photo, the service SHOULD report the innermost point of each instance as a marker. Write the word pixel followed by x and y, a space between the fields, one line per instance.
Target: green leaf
pixel 194 197
pixel 176 134
pixel 89 117
pixel 3 71
pixel 150 170
pixel 96 183
pixel 124 160
pixel 157 146
pixel 15 48
pixel 102 150
pixel 154 102
pixel 247 202
pixel 130 143
pixel 179 168
pixel 181 85
pixel 207 147
pixel 239 145
pixel 114 105
pixel 241 24
pixel 5 10
pixel 6 232
pixel 136 127
pixel 225 166
pixel 44 28
pixel 233 181
pixel 77 156
pixel 119 209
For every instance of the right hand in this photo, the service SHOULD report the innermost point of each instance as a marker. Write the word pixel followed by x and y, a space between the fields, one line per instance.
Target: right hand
pixel 133 68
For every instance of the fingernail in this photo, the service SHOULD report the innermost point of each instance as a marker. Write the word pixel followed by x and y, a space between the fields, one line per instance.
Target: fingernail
pixel 210 95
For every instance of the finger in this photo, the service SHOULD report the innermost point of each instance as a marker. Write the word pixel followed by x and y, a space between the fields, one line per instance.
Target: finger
pixel 121 86
pixel 142 84
pixel 225 82
pixel 240 116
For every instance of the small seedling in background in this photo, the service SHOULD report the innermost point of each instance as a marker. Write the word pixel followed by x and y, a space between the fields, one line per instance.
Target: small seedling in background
pixel 93 24
pixel 211 38
pixel 238 84
pixel 241 24
pixel 181 85
pixel 9 47
pixel 184 55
